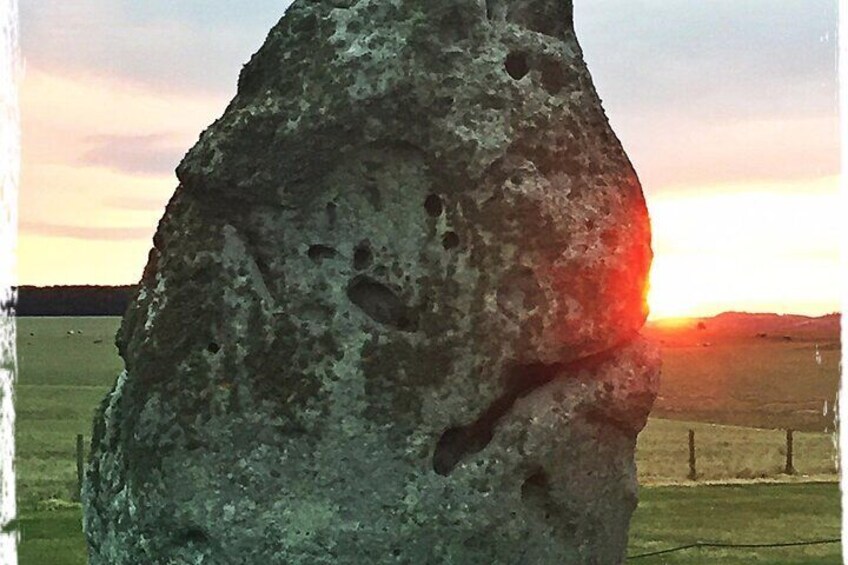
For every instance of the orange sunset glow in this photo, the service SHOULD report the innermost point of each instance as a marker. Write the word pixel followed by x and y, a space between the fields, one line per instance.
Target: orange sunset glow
pixel 91 221
pixel 735 142
pixel 755 248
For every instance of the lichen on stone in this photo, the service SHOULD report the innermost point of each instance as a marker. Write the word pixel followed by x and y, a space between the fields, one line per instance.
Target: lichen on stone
pixel 392 310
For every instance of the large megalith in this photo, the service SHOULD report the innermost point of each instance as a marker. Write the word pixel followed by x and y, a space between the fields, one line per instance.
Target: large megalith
pixel 392 310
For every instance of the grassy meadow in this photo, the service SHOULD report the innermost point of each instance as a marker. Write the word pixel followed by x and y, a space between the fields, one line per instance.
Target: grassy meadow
pixel 751 513
pixel 730 453
pixel 63 376
pixel 778 374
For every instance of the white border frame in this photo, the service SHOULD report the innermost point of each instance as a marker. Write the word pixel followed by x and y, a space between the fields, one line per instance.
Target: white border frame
pixel 10 72
pixel 10 153
pixel 842 69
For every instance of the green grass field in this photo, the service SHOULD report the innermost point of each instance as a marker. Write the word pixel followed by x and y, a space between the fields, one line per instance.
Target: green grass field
pixel 729 376
pixel 61 380
pixel 739 514
pixel 728 453
pixel 63 377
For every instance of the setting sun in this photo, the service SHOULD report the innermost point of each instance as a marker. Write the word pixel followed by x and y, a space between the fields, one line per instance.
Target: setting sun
pixel 741 194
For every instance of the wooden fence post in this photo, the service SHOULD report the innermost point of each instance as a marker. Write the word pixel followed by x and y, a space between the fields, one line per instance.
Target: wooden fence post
pixel 80 466
pixel 693 474
pixel 790 468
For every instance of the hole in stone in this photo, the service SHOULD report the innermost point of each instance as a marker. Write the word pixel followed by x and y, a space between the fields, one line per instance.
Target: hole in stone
pixel 444 104
pixel 457 444
pixel 516 65
pixel 553 77
pixel 537 493
pixel 195 535
pixel 362 257
pixel 380 303
pixel 450 240
pixel 213 348
pixel 433 205
pixel 535 486
pixel 320 252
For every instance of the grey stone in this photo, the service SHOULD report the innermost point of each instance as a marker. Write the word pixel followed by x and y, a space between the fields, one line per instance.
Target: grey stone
pixel 392 311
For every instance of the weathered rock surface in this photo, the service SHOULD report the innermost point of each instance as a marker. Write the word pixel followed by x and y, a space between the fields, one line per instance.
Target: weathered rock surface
pixel 392 310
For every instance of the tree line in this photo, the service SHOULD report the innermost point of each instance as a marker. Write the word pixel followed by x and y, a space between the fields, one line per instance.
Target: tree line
pixel 81 300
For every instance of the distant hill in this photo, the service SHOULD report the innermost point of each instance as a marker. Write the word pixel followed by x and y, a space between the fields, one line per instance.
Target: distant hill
pixel 83 300
pixel 743 324
pixel 740 321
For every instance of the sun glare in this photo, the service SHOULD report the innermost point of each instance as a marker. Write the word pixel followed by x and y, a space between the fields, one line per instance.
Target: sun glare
pixel 746 249
pixel 669 295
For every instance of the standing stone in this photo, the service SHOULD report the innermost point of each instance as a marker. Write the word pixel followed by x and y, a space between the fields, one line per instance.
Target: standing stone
pixel 391 314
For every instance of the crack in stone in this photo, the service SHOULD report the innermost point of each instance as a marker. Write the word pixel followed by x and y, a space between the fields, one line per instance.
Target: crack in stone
pixel 459 443
pixel 381 304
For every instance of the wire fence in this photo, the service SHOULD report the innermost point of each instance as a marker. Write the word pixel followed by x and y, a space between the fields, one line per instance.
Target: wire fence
pixel 699 545
pixel 720 443
pixel 715 453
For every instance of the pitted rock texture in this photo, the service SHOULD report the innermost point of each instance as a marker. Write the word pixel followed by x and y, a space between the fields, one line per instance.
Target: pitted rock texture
pixel 391 314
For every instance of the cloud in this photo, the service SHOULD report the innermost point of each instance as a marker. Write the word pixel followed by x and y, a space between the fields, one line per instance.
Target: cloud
pixel 86 141
pixel 154 154
pixel 134 204
pixel 719 91
pixel 674 75
pixel 189 45
pixel 747 248
pixel 723 59
pixel 86 232
pixel 671 152
pixel 700 92
pixel 720 57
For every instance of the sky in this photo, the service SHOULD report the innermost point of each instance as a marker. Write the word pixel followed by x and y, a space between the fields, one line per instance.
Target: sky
pixel 727 108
